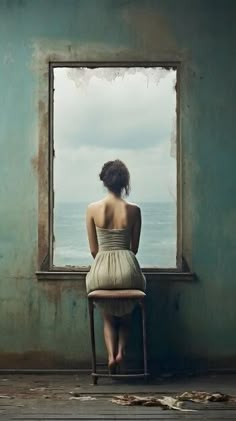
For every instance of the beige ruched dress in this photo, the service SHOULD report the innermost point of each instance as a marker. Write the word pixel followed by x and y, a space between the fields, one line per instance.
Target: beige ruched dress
pixel 115 267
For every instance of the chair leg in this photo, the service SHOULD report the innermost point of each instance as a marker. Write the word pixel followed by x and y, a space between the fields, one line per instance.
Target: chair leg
pixel 92 333
pixel 143 310
pixel 95 381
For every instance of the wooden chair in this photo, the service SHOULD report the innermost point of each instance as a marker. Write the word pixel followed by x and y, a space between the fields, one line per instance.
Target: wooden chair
pixel 131 294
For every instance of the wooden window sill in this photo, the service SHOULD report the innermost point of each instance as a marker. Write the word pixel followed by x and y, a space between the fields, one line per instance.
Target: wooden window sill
pixel 151 274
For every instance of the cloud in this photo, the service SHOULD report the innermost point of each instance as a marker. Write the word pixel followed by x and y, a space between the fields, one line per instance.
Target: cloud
pixel 152 173
pixel 130 112
pixel 129 118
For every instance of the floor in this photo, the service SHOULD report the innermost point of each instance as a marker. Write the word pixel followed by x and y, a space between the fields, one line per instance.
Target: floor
pixel 73 397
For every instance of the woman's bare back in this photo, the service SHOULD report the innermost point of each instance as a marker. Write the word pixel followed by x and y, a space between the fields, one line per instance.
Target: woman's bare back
pixel 114 230
pixel 114 213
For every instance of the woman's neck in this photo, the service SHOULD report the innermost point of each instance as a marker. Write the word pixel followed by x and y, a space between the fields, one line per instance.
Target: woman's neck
pixel 112 196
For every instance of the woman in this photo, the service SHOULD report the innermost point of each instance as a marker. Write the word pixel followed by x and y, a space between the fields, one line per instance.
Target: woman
pixel 113 227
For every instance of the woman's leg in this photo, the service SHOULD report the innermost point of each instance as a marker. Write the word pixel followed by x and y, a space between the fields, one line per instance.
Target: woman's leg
pixel 123 333
pixel 110 336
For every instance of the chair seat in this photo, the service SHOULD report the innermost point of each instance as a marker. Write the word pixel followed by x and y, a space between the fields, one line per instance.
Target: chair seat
pixel 117 294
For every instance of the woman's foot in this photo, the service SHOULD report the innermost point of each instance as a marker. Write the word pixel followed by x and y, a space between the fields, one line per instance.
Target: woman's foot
pixel 111 365
pixel 119 357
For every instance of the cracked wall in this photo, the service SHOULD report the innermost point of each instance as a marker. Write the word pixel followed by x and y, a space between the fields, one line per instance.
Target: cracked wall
pixel 187 322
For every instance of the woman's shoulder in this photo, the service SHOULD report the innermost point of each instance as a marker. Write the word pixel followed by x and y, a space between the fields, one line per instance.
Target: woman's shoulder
pixel 134 210
pixel 133 206
pixel 93 206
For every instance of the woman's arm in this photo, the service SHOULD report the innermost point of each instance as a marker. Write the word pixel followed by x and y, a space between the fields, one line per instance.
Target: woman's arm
pixel 135 235
pixel 91 231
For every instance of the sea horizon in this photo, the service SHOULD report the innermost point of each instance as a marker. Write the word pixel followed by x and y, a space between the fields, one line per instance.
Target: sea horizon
pixel 157 242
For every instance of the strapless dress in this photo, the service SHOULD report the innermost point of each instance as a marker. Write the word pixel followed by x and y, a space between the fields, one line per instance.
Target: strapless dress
pixel 115 267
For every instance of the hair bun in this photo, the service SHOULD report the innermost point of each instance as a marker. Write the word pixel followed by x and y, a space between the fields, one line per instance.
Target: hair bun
pixel 115 176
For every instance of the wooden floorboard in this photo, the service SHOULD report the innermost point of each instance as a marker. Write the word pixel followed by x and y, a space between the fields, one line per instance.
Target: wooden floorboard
pixel 41 398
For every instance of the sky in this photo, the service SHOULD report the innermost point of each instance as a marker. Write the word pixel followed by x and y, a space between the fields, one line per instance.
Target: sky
pixel 106 114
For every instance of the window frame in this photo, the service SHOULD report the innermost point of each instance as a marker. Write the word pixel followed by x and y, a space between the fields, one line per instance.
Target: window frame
pixel 46 184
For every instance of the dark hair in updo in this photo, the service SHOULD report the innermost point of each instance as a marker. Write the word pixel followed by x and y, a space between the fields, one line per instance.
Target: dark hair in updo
pixel 115 177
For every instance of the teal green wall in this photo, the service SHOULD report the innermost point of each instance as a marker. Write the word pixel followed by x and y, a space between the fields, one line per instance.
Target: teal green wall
pixel 46 324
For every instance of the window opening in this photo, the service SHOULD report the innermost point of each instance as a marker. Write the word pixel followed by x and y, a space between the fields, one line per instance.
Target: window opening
pixel 104 113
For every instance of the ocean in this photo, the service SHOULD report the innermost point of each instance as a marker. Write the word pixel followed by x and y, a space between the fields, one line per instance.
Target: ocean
pixel 157 243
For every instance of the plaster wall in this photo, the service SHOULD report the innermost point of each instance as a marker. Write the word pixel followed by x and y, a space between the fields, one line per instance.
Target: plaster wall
pixel 45 324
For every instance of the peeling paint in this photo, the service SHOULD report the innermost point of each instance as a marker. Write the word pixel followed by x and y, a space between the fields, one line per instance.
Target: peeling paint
pixel 45 51
pixel 31 334
pixel 82 75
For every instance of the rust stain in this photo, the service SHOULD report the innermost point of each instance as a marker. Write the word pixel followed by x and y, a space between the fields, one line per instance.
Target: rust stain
pixel 34 163
pixel 43 242
pixel 151 27
pixel 43 141
pixel 54 290
pixel 42 167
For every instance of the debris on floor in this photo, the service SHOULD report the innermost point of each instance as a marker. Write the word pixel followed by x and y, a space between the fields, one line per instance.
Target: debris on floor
pixel 169 402
pixel 166 402
pixel 6 397
pixel 83 398
pixel 199 397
